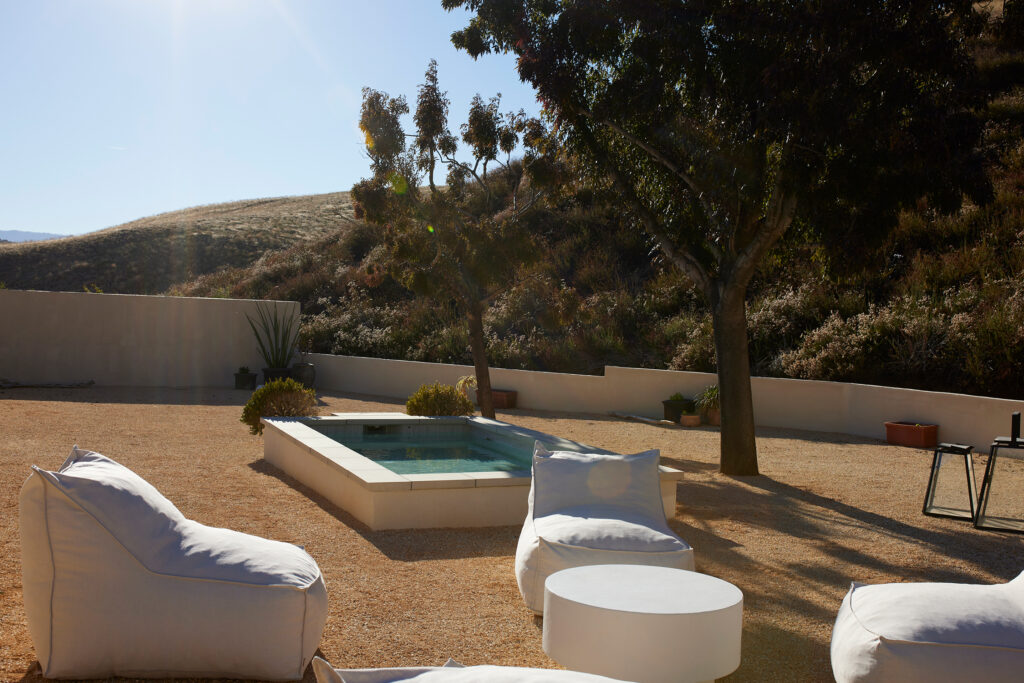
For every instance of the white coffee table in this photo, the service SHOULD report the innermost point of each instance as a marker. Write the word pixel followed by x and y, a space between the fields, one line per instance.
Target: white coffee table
pixel 641 623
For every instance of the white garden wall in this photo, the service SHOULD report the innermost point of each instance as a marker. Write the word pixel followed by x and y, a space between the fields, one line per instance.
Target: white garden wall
pixel 116 339
pixel 122 339
pixel 857 409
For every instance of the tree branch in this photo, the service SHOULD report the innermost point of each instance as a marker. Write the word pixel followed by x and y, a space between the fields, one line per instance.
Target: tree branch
pixel 659 157
pixel 684 260
pixel 777 220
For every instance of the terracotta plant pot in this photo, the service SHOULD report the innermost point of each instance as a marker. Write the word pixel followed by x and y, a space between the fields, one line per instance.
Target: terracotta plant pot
pixel 713 416
pixel 689 420
pixel 912 434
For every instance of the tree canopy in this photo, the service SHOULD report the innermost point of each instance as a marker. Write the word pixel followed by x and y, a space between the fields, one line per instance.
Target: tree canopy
pixel 463 241
pixel 721 123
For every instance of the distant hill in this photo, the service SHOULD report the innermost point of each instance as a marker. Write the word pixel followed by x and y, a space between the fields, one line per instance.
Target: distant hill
pixel 149 255
pixel 26 236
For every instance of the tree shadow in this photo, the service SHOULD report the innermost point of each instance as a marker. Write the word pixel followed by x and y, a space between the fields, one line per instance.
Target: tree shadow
pixel 790 512
pixel 411 545
pixel 765 646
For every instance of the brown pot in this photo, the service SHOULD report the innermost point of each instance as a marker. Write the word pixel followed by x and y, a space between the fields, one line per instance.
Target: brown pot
pixel 689 420
pixel 713 416
pixel 502 398
pixel 912 434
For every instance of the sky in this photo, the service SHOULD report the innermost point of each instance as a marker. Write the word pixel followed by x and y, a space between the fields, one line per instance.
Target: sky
pixel 114 110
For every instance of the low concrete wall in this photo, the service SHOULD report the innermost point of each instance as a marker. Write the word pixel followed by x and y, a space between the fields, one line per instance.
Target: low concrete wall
pixel 118 339
pixel 857 409
pixel 121 339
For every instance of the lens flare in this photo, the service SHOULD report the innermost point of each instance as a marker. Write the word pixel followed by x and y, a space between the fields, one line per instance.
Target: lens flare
pixel 430 229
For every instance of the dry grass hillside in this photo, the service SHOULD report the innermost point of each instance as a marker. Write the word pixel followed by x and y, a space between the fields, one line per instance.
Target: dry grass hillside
pixel 149 255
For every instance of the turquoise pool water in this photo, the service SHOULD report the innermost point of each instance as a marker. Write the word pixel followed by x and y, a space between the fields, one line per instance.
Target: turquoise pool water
pixel 440 453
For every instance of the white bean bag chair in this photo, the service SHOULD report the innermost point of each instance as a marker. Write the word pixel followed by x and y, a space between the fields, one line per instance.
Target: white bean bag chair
pixel 452 672
pixel 593 509
pixel 934 632
pixel 117 582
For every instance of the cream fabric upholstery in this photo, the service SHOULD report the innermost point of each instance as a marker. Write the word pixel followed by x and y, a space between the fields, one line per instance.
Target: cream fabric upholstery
pixel 934 632
pixel 593 509
pixel 452 673
pixel 118 583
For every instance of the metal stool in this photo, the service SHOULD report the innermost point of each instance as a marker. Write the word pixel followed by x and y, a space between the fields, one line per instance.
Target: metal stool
pixel 933 510
pixel 983 520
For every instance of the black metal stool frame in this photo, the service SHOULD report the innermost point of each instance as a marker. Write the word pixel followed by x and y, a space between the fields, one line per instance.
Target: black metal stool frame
pixel 986 483
pixel 972 490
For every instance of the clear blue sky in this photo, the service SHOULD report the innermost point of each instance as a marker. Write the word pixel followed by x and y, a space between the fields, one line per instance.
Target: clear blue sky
pixel 117 109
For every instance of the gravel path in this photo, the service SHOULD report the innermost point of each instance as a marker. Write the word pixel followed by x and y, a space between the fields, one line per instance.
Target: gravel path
pixel 829 509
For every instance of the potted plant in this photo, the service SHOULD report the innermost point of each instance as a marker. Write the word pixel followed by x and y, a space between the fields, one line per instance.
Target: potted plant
pixel 304 371
pixel 277 338
pixel 245 379
pixel 677 406
pixel 710 407
pixel 913 434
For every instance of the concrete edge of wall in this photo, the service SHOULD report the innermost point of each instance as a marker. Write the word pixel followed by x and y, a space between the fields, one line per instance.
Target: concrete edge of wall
pixel 854 409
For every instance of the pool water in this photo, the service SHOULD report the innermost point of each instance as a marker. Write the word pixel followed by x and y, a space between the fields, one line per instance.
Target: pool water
pixel 438 457
pixel 441 453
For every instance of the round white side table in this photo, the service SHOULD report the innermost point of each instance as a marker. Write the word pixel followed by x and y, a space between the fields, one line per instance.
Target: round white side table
pixel 641 623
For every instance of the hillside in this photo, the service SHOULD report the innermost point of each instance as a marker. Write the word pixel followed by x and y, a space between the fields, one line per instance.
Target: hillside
pixel 149 255
pixel 938 305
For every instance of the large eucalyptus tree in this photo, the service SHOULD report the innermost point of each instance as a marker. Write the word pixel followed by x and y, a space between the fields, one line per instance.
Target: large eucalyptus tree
pixel 721 123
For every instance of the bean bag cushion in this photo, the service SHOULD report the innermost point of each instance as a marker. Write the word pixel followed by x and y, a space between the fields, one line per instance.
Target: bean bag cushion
pixel 452 672
pixel 593 509
pixel 117 582
pixel 931 632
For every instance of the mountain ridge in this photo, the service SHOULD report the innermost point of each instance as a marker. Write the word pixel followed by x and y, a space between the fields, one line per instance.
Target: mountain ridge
pixel 148 255
pixel 27 236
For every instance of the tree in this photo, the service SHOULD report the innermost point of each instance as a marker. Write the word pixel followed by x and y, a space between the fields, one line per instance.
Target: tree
pixel 720 123
pixel 465 240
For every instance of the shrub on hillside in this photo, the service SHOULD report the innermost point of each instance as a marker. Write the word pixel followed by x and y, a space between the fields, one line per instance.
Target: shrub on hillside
pixel 278 398
pixel 438 399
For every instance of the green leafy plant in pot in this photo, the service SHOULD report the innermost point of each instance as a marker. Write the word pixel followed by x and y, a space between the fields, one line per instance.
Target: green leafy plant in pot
pixel 709 404
pixel 676 406
pixel 277 337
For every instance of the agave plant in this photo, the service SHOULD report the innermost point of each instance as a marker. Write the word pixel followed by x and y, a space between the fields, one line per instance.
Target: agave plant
pixel 276 335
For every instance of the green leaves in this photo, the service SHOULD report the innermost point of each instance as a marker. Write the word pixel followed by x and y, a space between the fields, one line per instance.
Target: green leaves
pixel 276 335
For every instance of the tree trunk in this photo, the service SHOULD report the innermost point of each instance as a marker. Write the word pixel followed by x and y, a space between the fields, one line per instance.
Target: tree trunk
pixel 475 315
pixel 729 316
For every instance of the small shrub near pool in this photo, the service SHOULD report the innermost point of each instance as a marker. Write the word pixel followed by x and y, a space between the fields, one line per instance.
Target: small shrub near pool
pixel 278 398
pixel 438 399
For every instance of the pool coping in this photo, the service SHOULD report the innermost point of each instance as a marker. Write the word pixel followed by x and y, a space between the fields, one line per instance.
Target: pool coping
pixel 361 486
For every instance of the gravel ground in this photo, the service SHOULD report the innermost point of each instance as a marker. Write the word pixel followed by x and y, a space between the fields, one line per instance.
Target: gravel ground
pixel 828 509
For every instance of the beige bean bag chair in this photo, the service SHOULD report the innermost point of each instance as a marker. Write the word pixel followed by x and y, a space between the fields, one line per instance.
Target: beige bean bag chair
pixel 593 509
pixel 118 583
pixel 452 672
pixel 930 632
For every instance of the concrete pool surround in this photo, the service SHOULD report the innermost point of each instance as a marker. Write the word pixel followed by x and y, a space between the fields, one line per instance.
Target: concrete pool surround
pixel 382 499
